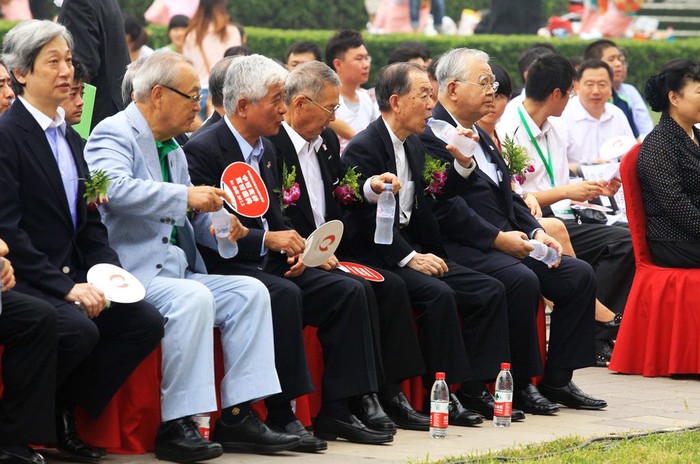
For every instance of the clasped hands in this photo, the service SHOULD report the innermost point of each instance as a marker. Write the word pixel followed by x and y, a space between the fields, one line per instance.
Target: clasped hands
pixel 516 244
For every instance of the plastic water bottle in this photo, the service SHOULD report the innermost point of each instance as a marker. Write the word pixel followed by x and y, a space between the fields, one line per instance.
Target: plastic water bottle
pixel 386 207
pixel 542 252
pixel 221 221
pixel 503 399
pixel 439 407
pixel 448 134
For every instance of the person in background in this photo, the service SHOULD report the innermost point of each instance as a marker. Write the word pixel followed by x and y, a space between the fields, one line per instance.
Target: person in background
pixel 301 52
pixel 238 50
pixel 7 95
pixel 217 77
pixel 410 54
pixel 136 38
pixel 669 166
pixel 640 111
pixel 73 105
pixel 177 31
pixel 209 35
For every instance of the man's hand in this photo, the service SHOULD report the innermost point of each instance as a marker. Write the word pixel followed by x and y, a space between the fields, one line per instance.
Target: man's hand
pixel 329 265
pixel 377 182
pixel 206 198
pixel 286 241
pixel 297 266
pixel 4 249
pixel 551 242
pixel 428 264
pixel 611 188
pixel 238 230
pixel 90 298
pixel 584 191
pixel 534 205
pixel 513 243
pixel 8 274
pixel 464 159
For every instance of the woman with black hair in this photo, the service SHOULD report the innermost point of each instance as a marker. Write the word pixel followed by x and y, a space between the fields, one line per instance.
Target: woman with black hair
pixel 669 166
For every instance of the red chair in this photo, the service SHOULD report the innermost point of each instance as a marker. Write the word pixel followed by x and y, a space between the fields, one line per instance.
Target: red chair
pixel 660 333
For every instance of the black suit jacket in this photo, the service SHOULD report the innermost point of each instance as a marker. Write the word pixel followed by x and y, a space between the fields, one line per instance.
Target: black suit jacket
pixel 372 152
pixel 207 156
pixel 49 255
pixel 470 221
pixel 100 45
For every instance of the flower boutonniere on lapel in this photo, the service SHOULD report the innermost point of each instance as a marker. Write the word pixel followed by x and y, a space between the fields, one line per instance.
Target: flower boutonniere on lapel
pixel 517 160
pixel 290 191
pixel 434 175
pixel 96 189
pixel 348 190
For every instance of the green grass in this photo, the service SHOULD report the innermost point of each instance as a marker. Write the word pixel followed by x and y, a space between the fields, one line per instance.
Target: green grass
pixel 671 447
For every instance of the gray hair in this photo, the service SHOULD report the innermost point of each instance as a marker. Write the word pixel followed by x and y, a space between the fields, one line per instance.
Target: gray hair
pixel 454 65
pixel 250 77
pixel 128 82
pixel 394 79
pixel 158 68
pixel 23 43
pixel 309 79
pixel 217 77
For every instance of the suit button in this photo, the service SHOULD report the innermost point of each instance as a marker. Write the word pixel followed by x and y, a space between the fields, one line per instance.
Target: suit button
pixel 162 221
pixel 159 266
pixel 65 269
pixel 165 240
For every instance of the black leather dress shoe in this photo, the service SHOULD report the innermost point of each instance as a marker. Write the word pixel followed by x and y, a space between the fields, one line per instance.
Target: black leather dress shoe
pixel 608 330
pixel 308 444
pixel 483 404
pixel 69 442
pixel 529 399
pixel 460 416
pixel 179 440
pixel 329 428
pixel 252 436
pixel 24 455
pixel 572 396
pixel 369 410
pixel 403 415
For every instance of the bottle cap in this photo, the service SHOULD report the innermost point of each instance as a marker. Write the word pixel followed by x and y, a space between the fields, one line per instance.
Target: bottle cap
pixel 505 365
pixel 439 376
pixel 387 187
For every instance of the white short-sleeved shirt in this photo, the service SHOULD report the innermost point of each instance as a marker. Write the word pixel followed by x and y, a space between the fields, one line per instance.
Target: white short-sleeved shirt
pixel 640 112
pixel 358 115
pixel 586 134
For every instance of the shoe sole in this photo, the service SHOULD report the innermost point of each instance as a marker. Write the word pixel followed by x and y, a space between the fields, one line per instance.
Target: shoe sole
pixel 333 437
pixel 233 447
pixel 310 448
pixel 165 455
pixel 77 458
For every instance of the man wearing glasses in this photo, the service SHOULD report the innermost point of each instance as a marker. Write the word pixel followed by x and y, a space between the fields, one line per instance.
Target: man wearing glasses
pixel 155 218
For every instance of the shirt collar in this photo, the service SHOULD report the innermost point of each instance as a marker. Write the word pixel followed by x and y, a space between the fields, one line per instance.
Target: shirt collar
pixel 249 152
pixel 580 113
pixel 299 142
pixel 394 139
pixel 59 120
pixel 534 128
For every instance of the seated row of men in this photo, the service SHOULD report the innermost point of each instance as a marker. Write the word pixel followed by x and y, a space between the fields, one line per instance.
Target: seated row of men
pixel 156 225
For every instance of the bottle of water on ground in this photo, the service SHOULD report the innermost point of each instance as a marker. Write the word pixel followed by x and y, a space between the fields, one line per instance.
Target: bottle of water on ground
pixel 221 221
pixel 439 407
pixel 503 398
pixel 386 206
pixel 542 252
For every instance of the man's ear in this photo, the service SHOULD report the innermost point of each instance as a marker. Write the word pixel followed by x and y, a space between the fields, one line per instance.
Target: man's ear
pixel 19 77
pixel 298 102
pixel 395 103
pixel 242 107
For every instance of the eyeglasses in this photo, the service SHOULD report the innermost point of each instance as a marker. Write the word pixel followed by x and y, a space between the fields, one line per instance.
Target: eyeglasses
pixel 193 98
pixel 571 94
pixel 485 85
pixel 335 108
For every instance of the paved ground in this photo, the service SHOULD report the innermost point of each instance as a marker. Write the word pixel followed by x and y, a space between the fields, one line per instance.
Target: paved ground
pixel 635 404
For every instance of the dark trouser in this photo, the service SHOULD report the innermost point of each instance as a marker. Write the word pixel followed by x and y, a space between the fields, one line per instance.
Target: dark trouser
pixel 608 249
pixel 668 253
pixel 477 352
pixel 95 356
pixel 28 331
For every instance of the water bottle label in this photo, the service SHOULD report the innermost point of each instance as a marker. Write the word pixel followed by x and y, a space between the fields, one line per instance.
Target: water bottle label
pixel 503 404
pixel 439 414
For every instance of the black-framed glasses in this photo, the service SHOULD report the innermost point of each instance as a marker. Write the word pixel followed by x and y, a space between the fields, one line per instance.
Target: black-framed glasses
pixel 335 108
pixel 193 98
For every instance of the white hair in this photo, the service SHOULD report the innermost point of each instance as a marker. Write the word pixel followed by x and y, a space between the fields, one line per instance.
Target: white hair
pixel 158 68
pixel 251 77
pixel 309 79
pixel 454 65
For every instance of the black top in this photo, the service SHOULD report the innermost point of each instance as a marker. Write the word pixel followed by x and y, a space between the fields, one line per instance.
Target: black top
pixel 669 174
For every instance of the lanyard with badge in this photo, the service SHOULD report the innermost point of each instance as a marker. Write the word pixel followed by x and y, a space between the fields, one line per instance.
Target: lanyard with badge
pixel 547 162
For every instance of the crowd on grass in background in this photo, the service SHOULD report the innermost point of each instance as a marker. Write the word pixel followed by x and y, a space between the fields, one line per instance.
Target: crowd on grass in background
pixel 139 193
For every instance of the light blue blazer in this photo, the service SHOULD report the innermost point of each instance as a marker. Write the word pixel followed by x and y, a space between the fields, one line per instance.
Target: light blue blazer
pixel 142 209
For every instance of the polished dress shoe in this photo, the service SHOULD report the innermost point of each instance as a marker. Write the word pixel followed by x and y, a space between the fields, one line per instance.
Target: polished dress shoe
pixel 529 399
pixel 330 428
pixel 460 416
pixel 252 436
pixel 608 330
pixel 571 396
pixel 20 455
pixel 308 444
pixel 179 440
pixel 403 415
pixel 484 404
pixel 69 442
pixel 370 412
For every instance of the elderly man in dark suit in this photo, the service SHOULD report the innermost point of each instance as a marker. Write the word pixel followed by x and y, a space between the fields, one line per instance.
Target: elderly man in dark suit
pixel 487 227
pixel 254 104
pixel 305 143
pixel 54 238
pixel 97 27
pixel 437 285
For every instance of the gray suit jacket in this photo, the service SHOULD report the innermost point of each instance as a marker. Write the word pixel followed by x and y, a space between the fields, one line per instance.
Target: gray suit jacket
pixel 142 209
